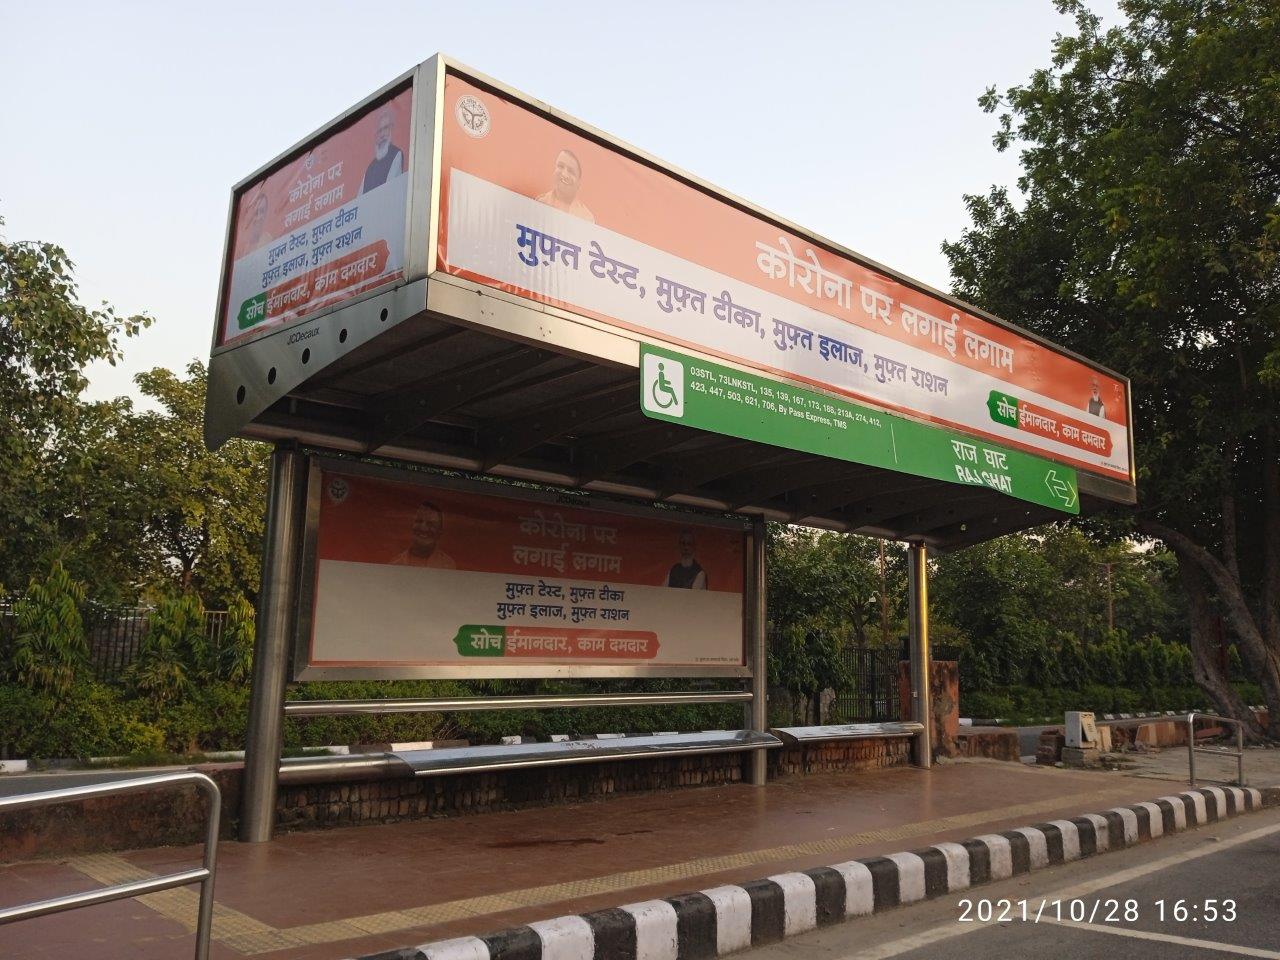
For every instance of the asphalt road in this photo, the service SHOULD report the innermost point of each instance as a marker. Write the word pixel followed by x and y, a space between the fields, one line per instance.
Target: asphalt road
pixel 1224 876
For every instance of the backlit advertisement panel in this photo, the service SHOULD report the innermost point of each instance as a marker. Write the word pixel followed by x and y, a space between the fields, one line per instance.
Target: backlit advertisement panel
pixel 531 207
pixel 408 575
pixel 325 227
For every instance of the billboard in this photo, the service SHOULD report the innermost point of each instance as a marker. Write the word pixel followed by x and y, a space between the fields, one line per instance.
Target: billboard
pixel 326 226
pixel 533 207
pixel 459 581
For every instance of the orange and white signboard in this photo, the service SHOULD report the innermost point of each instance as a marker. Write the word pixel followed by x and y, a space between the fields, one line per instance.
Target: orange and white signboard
pixel 326 226
pixel 414 576
pixel 534 208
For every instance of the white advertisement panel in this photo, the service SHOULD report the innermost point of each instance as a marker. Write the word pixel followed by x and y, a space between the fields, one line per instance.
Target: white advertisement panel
pixel 532 246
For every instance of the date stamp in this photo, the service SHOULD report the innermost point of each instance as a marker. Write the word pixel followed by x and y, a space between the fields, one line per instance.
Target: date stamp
pixel 1110 910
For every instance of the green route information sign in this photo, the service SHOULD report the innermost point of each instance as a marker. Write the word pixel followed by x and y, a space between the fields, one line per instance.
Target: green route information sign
pixel 682 389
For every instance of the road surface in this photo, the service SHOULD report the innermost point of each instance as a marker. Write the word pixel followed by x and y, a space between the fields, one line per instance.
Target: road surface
pixel 1217 886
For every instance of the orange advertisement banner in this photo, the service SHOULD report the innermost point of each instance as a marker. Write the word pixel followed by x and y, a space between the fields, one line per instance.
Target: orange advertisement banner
pixel 325 226
pixel 410 576
pixel 613 238
pixel 372 520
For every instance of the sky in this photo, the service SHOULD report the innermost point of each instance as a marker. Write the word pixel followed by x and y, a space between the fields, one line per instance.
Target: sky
pixel 126 123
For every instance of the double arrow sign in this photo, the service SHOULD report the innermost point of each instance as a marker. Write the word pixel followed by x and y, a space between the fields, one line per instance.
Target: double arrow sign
pixel 1060 488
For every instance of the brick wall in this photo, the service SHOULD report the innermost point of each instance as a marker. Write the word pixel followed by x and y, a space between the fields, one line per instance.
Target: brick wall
pixel 306 806
pixel 833 755
pixel 171 816
pixel 993 743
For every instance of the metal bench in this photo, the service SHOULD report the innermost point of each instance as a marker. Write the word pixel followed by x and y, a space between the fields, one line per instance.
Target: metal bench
pixel 478 759
pixel 848 731
pixel 436 762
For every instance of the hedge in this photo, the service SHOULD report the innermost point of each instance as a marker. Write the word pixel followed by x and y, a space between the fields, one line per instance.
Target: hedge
pixel 1023 703
pixel 96 720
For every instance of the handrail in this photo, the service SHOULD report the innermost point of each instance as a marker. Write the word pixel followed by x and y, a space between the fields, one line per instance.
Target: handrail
pixel 203 875
pixel 326 708
pixel 1238 753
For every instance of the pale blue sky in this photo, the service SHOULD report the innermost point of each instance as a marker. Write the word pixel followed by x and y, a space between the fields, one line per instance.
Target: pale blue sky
pixel 125 124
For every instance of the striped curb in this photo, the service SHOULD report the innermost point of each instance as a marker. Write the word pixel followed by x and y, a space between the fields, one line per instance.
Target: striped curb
pixel 734 917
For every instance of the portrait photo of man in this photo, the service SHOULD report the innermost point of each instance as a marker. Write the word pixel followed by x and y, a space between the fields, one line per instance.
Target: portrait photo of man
pixel 566 179
pixel 1095 405
pixel 388 159
pixel 425 532
pixel 687 573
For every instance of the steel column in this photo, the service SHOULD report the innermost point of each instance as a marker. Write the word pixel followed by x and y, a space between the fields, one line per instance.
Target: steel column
pixel 918 622
pixel 759 651
pixel 276 611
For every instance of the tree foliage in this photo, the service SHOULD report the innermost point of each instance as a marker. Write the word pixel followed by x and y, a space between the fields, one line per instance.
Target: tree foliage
pixel 197 516
pixel 46 340
pixel 235 652
pixel 174 658
pixel 825 594
pixel 1147 238
pixel 50 652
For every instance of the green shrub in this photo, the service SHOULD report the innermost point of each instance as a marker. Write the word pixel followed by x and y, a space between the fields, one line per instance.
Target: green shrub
pixel 91 720
pixel 488 726
pixel 235 652
pixel 50 651
pixel 986 705
pixel 174 655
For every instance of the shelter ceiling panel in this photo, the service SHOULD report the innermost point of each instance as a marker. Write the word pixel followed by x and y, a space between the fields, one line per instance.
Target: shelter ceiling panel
pixel 363 370
pixel 569 381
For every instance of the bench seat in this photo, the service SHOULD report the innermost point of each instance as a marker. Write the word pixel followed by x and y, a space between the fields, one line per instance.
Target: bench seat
pixel 428 763
pixel 848 731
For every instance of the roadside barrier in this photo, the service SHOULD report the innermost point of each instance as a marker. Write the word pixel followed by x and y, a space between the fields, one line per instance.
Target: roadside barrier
pixel 203 875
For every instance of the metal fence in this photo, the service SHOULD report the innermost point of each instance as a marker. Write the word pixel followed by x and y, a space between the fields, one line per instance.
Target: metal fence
pixel 873 696
pixel 114 633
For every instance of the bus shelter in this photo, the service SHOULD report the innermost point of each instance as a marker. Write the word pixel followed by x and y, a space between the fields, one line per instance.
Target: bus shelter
pixel 534 394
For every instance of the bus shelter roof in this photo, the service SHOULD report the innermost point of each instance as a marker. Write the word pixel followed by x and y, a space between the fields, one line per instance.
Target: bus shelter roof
pixel 437 390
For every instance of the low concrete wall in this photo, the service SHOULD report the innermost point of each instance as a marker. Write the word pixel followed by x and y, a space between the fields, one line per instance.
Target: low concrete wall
pixel 177 816
pixel 993 743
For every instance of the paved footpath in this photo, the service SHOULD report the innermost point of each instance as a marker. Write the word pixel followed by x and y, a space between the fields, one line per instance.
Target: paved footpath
pixel 325 895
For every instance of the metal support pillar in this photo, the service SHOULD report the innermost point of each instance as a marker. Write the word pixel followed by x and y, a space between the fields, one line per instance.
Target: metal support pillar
pixel 759 651
pixel 276 603
pixel 918 622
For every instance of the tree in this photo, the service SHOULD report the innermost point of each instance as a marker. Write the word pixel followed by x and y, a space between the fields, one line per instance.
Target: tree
pixel 824 595
pixel 46 340
pixel 200 513
pixel 235 652
pixel 174 658
pixel 1147 238
pixel 1033 608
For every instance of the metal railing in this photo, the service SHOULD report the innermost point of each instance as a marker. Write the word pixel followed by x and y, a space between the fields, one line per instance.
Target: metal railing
pixel 1192 749
pixel 203 875
pixel 329 708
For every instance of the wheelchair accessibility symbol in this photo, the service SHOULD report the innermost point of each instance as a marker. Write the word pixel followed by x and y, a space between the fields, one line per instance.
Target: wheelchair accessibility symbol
pixel 663 386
